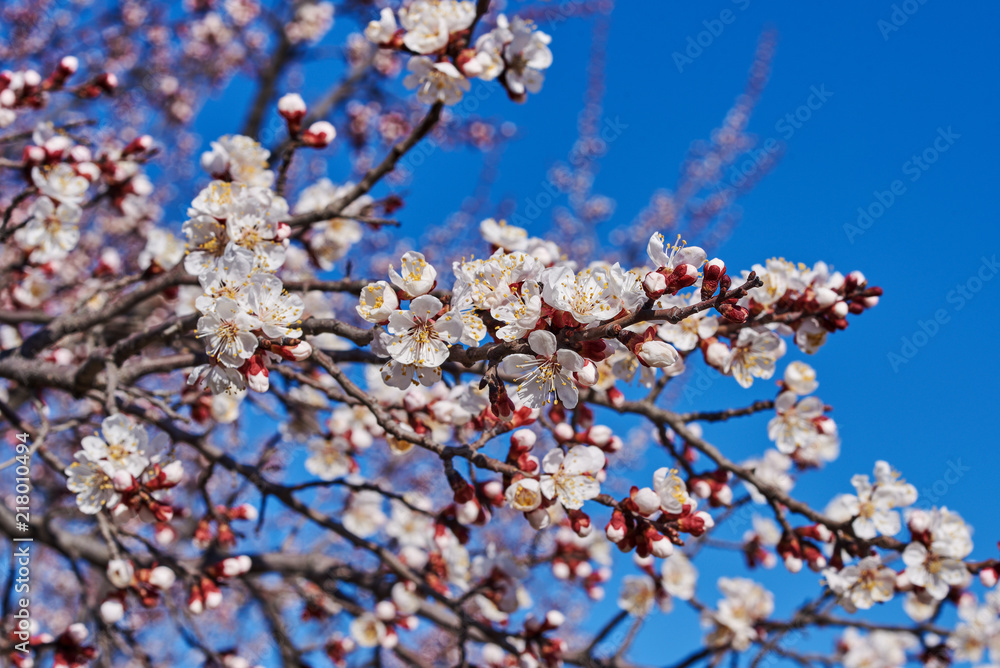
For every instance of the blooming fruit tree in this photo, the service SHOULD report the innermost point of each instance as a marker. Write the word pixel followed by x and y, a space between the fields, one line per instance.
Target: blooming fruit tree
pixel 255 426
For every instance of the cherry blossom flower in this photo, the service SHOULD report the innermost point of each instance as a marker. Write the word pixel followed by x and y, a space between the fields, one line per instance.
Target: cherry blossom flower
pixel 800 378
pixel 376 302
pixel 435 82
pixel 793 426
pixel 670 256
pixel 571 477
pixel 504 235
pixel 429 24
pixel 935 573
pixel 546 376
pixel 330 240
pixel 368 631
pixel 679 576
pixel 382 31
pixel 862 585
pixel 776 275
pixel 638 595
pixel 416 276
pixel 273 308
pixel 61 183
pixel 524 495
pixel 123 444
pixel 92 483
pixel 228 331
pixel 754 355
pixel 363 515
pixel 328 458
pixel 672 491
pixel 51 231
pixel 241 158
pixel 526 55
pixel 745 604
pixel 162 248
pixel 588 295
pixel 872 508
pixel 878 649
pixel 421 337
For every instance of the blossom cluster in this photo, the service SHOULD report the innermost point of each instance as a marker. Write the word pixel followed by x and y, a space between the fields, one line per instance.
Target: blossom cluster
pixel 444 57
pixel 120 471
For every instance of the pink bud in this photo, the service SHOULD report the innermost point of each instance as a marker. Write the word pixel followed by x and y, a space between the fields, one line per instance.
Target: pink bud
pixel 173 472
pixel 291 105
pixel 319 135
pixel 660 546
pixel 599 435
pixel 69 65
pixel 988 576
pixel 523 439
pixel 587 376
pixel 655 284
pixel 647 501
pixel 714 269
pixel 616 397
pixel 162 577
pixel 564 432
pixel 123 481
pixel 793 563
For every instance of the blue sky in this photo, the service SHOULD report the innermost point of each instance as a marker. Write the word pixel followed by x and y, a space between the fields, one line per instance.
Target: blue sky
pixel 901 111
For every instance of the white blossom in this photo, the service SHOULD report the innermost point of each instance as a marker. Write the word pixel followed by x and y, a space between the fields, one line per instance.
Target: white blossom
pixel 571 477
pixel 545 376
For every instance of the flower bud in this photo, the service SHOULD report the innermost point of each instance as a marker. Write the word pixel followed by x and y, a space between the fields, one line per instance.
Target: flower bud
pixel 123 481
pixel 683 275
pixel 733 311
pixel 659 545
pixel 293 109
pixel 162 577
pixel 654 284
pixel 616 528
pixel 587 376
pixel 377 302
pixel 524 495
pixel 656 353
pixel 563 432
pixel 647 501
pixel 120 573
pixel 77 633
pixel 112 610
pixel 539 518
pixel 319 135
pixel 616 397
pixel 385 610
pixel 523 439
pixel 988 576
